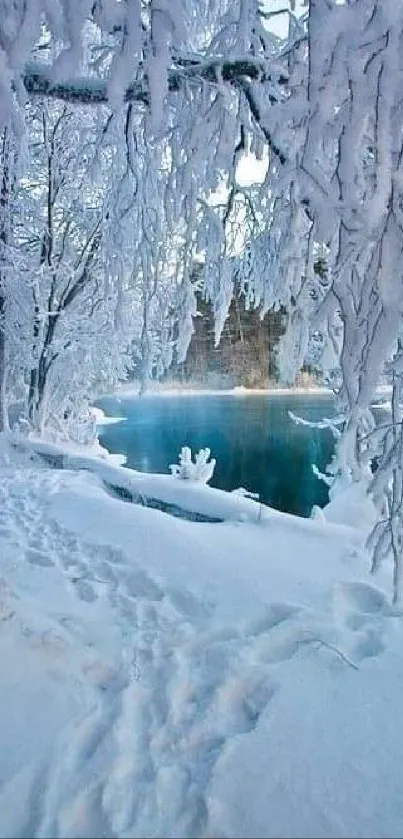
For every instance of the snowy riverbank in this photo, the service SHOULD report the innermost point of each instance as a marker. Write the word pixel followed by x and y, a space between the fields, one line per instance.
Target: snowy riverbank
pixel 130 389
pixel 164 677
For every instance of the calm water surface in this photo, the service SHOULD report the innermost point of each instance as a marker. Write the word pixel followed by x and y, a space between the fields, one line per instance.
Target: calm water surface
pixel 256 444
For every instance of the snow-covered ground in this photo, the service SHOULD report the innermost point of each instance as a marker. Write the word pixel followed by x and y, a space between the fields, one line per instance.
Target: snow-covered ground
pixel 102 419
pixel 165 677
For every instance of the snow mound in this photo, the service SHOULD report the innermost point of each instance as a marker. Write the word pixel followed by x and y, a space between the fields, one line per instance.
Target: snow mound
pixel 102 419
pixel 351 506
pixel 168 678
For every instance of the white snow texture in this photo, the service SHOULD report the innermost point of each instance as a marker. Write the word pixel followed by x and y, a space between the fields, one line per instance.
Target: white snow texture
pixel 164 677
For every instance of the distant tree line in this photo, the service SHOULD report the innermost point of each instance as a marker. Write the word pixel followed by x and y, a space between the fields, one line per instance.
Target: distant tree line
pixel 246 354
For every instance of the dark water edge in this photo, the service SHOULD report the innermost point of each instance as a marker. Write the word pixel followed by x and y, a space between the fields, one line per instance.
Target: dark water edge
pixel 256 444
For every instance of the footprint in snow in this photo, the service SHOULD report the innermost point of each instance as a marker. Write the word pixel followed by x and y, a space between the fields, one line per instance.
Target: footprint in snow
pixel 84 590
pixel 126 606
pixel 36 557
pixel 364 599
pixel 67 561
pixel 357 605
pixel 272 616
pixel 138 584
pixel 104 570
pixel 368 644
pixel 364 610
pixel 187 604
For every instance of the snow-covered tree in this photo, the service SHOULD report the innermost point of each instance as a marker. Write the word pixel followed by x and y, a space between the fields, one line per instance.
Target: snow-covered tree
pixel 9 267
pixel 72 300
pixel 202 84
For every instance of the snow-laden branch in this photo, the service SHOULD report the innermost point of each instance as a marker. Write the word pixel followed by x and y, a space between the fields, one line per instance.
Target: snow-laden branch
pixel 39 81
pixel 325 423
pixel 204 86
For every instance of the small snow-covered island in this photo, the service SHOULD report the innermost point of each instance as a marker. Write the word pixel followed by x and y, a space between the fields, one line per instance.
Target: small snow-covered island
pixel 201 419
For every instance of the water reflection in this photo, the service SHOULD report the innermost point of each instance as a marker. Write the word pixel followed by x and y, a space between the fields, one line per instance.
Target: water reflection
pixel 255 442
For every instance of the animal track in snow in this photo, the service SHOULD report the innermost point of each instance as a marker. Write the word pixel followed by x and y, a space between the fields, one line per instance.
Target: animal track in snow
pixel 139 584
pixel 365 612
pixel 367 645
pixel 142 759
pixel 36 557
pixel 364 599
pixel 85 590
pixel 5 532
pixel 273 615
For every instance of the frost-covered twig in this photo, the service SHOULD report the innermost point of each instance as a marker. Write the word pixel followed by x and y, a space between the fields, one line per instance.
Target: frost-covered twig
pixel 201 470
pixel 332 647
pixel 325 423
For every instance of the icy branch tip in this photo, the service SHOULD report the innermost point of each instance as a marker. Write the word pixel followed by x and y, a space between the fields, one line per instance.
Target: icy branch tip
pixel 201 470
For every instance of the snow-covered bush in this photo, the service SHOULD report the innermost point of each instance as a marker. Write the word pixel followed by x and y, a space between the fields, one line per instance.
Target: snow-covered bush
pixel 201 470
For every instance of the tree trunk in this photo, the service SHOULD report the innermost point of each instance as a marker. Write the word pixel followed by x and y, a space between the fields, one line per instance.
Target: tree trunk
pixel 5 195
pixel 37 384
pixel 32 393
pixel 144 376
pixel 4 424
pixel 145 352
pixel 143 385
pixel 35 400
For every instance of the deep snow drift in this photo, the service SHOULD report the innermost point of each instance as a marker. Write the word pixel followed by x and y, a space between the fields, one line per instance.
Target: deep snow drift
pixel 164 677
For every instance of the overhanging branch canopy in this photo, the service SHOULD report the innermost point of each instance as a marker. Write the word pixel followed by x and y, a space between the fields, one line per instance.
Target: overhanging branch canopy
pixel 38 80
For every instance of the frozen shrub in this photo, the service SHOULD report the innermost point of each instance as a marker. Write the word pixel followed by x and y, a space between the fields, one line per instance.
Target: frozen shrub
pixel 201 470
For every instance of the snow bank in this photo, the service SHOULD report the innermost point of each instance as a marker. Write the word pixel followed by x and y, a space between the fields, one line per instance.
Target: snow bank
pixel 351 506
pixel 324 759
pixel 213 558
pixel 162 677
pixel 191 496
pixel 102 419
pixel 61 452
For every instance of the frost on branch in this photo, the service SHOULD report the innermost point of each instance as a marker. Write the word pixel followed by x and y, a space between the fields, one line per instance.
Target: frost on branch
pixel 137 116
pixel 201 470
